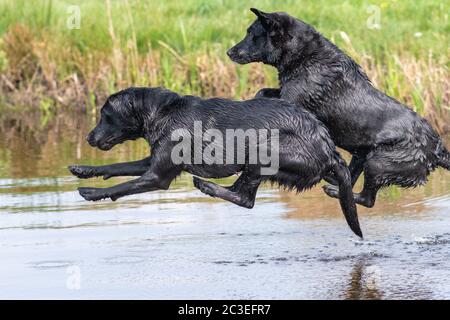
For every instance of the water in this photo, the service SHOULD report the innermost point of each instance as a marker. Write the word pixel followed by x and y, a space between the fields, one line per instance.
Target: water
pixel 182 244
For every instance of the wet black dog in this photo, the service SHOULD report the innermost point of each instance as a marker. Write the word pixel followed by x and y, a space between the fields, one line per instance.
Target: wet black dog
pixel 305 149
pixel 389 142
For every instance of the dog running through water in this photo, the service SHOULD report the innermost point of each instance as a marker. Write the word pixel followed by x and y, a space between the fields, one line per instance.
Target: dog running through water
pixel 388 141
pixel 305 150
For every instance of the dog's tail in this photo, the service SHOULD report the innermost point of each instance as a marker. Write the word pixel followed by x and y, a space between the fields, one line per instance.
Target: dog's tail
pixel 342 175
pixel 444 158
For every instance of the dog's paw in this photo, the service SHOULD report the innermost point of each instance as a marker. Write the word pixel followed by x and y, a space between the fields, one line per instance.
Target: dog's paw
pixel 331 191
pixel 204 186
pixel 84 172
pixel 92 194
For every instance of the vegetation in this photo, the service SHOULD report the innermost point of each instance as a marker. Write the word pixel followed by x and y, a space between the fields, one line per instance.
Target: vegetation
pixel 47 64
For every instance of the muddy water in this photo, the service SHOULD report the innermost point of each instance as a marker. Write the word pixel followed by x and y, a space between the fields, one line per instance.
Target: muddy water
pixel 183 244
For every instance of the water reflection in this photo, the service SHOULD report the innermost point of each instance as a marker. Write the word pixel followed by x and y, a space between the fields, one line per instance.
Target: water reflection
pixel 365 279
pixel 29 151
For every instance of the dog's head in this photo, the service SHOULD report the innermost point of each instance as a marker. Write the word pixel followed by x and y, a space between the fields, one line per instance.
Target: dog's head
pixel 128 115
pixel 270 37
pixel 119 122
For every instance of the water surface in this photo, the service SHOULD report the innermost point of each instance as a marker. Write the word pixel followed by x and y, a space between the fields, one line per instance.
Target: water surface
pixel 181 244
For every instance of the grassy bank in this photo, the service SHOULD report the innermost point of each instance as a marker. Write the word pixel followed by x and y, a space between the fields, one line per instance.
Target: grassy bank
pixel 46 65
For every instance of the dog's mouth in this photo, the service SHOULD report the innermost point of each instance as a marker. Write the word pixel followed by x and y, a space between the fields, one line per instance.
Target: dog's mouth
pixel 243 59
pixel 109 143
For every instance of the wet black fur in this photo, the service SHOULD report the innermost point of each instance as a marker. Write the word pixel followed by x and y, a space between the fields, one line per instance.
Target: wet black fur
pixel 389 142
pixel 306 151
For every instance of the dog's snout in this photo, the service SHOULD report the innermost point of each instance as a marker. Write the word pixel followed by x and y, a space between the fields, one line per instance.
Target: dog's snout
pixel 91 139
pixel 238 54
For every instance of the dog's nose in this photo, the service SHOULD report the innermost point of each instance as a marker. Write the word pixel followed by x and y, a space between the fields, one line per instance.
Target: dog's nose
pixel 90 139
pixel 230 52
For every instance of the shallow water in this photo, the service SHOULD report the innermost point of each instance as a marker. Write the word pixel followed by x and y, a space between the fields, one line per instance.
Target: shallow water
pixel 183 244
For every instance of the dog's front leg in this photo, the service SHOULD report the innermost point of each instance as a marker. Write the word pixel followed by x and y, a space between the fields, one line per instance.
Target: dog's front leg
pixel 356 167
pixel 133 168
pixel 150 181
pixel 160 173
pixel 268 93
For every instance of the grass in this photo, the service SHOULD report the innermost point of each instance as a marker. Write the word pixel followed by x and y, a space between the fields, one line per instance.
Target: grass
pixel 181 45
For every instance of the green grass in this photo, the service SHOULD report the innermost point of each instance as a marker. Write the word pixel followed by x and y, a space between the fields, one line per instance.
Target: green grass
pixel 191 25
pixel 413 39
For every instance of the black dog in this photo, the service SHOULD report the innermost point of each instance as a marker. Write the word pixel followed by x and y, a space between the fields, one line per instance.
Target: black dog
pixel 389 142
pixel 306 151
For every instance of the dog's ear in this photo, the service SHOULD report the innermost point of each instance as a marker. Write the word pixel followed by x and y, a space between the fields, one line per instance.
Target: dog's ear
pixel 268 20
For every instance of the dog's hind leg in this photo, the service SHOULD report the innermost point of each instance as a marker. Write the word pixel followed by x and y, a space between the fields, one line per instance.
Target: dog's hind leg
pixel 365 198
pixel 379 170
pixel 368 194
pixel 387 167
pixel 134 168
pixel 242 192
